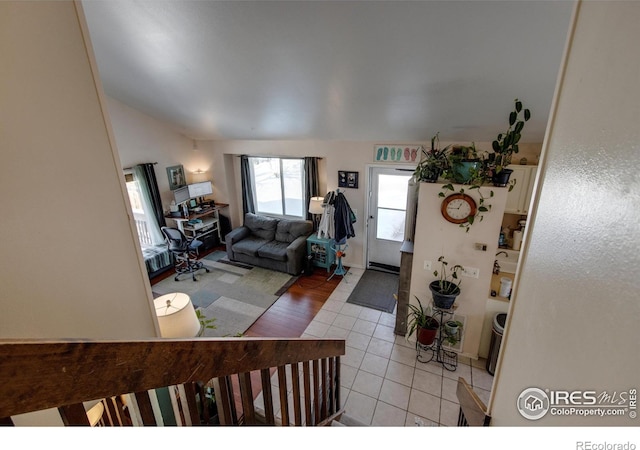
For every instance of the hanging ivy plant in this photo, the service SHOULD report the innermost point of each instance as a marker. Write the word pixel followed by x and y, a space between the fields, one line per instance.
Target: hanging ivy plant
pixel 483 206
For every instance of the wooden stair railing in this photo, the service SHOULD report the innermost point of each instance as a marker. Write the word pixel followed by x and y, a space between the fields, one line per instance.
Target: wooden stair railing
pixel 129 375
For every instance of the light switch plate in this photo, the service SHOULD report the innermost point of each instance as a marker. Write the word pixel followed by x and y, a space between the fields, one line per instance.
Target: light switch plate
pixel 471 272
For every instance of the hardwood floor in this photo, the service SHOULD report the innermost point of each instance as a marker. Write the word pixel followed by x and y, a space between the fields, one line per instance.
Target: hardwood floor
pixel 290 315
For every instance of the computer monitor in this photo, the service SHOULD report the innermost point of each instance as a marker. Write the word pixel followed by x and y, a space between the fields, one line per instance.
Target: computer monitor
pixel 181 195
pixel 200 189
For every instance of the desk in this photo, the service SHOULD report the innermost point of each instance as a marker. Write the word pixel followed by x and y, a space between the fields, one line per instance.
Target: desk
pixel 210 224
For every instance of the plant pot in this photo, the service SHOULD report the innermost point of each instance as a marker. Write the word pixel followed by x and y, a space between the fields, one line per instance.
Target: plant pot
pixel 501 179
pixel 462 170
pixel 431 176
pixel 451 328
pixel 443 301
pixel 426 336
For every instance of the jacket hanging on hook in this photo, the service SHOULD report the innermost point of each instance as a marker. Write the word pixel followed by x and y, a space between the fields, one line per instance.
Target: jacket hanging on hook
pixel 337 219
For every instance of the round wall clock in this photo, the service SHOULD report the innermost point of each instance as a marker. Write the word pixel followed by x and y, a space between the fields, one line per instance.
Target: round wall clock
pixel 457 208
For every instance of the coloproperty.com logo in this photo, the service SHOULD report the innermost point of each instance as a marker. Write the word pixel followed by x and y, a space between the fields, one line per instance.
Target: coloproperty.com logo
pixel 535 403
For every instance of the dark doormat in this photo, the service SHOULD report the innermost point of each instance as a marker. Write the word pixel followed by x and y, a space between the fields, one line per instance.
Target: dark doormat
pixel 375 290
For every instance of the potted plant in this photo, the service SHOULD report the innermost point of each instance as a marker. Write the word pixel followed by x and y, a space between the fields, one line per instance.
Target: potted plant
pixel 506 145
pixel 446 288
pixel 453 331
pixel 422 322
pixel 433 162
pixel 204 322
pixel 465 165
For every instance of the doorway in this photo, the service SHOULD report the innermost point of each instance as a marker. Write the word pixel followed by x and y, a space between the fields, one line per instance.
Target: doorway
pixel 388 189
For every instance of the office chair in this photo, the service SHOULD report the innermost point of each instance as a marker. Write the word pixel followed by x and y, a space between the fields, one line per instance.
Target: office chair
pixel 184 252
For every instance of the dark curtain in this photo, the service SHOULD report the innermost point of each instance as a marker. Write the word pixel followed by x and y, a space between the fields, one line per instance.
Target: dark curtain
pixel 247 191
pixel 149 174
pixel 311 182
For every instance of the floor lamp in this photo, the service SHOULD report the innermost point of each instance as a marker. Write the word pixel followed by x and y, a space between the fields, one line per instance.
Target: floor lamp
pixel 176 316
pixel 316 209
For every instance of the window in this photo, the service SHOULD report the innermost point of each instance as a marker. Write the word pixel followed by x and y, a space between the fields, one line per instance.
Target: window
pixel 278 186
pixel 137 207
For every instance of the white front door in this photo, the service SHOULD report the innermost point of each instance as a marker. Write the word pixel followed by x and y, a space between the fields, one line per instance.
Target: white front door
pixel 387 209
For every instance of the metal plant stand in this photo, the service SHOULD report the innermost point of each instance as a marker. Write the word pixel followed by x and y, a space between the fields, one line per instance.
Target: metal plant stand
pixel 339 252
pixel 435 352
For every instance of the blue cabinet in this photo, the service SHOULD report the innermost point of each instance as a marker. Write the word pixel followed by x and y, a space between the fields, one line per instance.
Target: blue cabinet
pixel 321 251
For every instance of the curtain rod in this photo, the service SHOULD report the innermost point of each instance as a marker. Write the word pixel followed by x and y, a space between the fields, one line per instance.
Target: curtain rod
pixel 129 168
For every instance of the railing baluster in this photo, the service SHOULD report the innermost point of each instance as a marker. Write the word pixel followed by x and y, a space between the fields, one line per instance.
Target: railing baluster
pixel 246 395
pixel 331 387
pixel 323 386
pixel 146 411
pixel 284 401
pixel 192 407
pixel 317 398
pixel 295 381
pixel 267 395
pixel 225 401
pixel 307 393
pixel 337 384
pixel 74 415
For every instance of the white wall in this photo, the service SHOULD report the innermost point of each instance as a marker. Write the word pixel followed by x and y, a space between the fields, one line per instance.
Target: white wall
pixel 355 156
pixel 575 308
pixel 435 236
pixel 336 155
pixel 143 139
pixel 69 265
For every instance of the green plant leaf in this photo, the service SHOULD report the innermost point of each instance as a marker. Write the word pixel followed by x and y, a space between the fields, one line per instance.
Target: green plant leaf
pixel 518 106
pixel 527 114
pixel 512 118
pixel 470 219
pixel 483 209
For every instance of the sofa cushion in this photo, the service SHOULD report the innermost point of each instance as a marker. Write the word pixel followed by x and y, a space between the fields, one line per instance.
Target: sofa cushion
pixel 261 226
pixel 288 230
pixel 249 245
pixel 274 250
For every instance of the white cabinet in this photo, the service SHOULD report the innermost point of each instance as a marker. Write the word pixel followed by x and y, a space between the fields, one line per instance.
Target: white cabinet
pixel 518 199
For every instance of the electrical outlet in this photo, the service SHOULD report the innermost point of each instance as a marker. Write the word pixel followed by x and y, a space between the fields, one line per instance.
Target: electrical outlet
pixel 427 265
pixel 471 272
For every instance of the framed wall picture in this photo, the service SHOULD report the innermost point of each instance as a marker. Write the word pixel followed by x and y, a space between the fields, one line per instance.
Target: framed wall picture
pixel 387 153
pixel 347 179
pixel 176 177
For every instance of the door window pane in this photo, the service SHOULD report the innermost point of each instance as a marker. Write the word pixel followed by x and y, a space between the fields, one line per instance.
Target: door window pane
pixel 390 224
pixel 392 191
pixel 392 202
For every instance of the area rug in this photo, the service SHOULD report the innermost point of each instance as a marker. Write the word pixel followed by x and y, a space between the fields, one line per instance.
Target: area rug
pixel 235 295
pixel 375 290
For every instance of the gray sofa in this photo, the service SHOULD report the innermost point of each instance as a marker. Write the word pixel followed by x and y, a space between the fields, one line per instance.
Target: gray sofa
pixel 277 244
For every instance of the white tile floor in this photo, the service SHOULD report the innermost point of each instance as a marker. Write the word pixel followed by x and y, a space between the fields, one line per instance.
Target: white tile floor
pixel 382 383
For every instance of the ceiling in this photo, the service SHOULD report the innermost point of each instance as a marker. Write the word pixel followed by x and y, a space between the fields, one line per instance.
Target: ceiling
pixel 332 70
